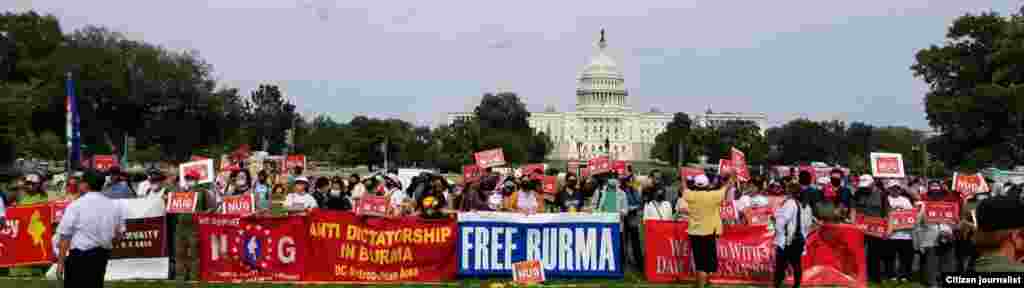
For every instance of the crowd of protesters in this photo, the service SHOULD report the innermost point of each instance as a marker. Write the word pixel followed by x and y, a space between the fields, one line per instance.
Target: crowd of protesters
pixel 798 202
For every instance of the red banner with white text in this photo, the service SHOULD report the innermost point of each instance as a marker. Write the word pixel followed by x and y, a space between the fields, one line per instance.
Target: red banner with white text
pixel 26 237
pixel 234 248
pixel 374 249
pixel 746 255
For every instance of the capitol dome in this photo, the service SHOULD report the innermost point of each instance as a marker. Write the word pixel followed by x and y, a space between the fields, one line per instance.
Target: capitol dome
pixel 600 84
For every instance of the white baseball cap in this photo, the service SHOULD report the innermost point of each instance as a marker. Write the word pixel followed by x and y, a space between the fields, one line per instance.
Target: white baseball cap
pixel 865 181
pixel 301 179
pixel 701 181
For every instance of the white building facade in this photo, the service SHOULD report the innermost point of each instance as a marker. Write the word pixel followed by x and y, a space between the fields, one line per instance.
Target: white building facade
pixel 603 113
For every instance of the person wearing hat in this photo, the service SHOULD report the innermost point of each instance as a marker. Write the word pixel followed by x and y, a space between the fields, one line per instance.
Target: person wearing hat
pixel 119 187
pixel 87 233
pixel 186 250
pixel 705 223
pixel 300 199
pixel 1000 237
pixel 153 185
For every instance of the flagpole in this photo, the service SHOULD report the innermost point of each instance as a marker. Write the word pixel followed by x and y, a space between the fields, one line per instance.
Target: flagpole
pixel 385 155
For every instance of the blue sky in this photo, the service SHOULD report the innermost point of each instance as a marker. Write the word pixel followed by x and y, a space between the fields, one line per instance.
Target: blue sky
pixel 846 60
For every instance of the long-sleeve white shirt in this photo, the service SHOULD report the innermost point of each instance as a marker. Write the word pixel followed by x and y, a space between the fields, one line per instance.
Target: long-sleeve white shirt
pixel 92 221
pixel 785 222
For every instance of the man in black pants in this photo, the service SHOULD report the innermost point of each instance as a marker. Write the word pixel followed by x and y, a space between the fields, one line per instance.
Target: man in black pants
pixel 87 232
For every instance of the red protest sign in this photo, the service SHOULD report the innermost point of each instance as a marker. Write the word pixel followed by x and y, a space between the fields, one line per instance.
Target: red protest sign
pixel 727 211
pixel 527 272
pixel 874 226
pixel 234 248
pixel 182 202
pixel 887 165
pixel 686 172
pixel 380 249
pixel 490 158
pixel 758 215
pixel 373 206
pixel 584 172
pixel 533 169
pixel 293 161
pixel 550 184
pixel 739 161
pixel 57 209
pixel 620 166
pixel 942 212
pixel 969 184
pixel 902 219
pixel 202 168
pixel 26 237
pixel 471 172
pixel 244 204
pixel 104 162
pixel 599 165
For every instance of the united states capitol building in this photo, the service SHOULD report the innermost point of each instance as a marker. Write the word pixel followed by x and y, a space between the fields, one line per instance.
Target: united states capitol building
pixel 603 113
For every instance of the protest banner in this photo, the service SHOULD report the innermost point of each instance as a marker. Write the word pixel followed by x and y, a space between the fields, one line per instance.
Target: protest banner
pixel 490 158
pixel 234 248
pixel 376 249
pixel 902 219
pixel 941 212
pixel 373 206
pixel 727 211
pixel 239 204
pixel 142 251
pixel 471 172
pixel 619 166
pixel 527 272
pixel 57 209
pixel 598 165
pixel 739 161
pixel 746 254
pixel 686 172
pixel 969 184
pixel 887 165
pixel 204 168
pixel 549 184
pixel 182 202
pixel 297 160
pixel 567 245
pixel 26 237
pixel 725 166
pixel 873 226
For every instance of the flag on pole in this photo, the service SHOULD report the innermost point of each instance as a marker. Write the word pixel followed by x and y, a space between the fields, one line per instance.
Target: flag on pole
pixel 72 130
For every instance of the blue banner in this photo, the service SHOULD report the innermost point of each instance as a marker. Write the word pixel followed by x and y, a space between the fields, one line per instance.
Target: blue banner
pixel 568 245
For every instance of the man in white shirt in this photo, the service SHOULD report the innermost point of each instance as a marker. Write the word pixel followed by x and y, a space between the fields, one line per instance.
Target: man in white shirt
pixel 795 216
pixel 87 232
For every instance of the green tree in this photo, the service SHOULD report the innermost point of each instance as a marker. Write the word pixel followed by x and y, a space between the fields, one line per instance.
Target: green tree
pixel 272 115
pixel 975 93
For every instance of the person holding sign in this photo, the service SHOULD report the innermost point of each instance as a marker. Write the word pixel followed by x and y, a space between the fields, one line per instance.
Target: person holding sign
pixel 300 199
pixel 900 241
pixel 186 258
pixel 935 239
pixel 705 223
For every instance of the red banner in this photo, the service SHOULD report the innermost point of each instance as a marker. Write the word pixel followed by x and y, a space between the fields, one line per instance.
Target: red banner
pixel 599 165
pixel 182 202
pixel 293 161
pixel 239 204
pixel 373 206
pixel 378 249
pixel 26 239
pixel 727 211
pixel 942 212
pixel 902 220
pixel 490 158
pixel 104 162
pixel 471 172
pixel 739 161
pixel 620 166
pixel 57 209
pixel 550 184
pixel 233 248
pixel 873 226
pixel 746 255
pixel 969 184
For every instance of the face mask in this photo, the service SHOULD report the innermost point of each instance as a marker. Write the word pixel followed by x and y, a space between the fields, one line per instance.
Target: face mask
pixel 335 192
